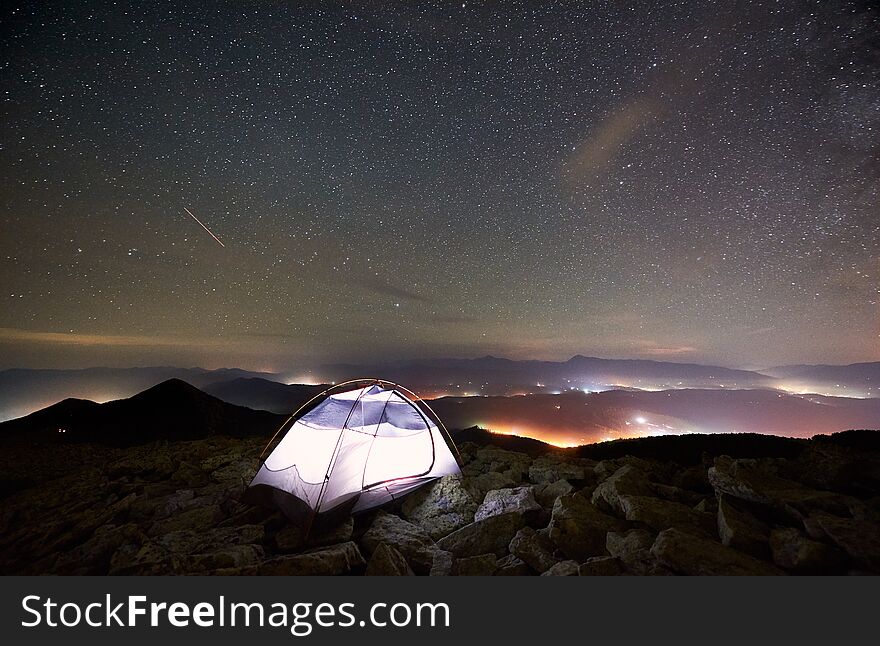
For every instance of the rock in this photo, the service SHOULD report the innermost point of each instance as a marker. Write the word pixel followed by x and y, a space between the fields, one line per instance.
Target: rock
pixel 860 539
pixel 500 501
pixel 601 566
pixel 94 556
pixel 232 556
pixel 563 568
pixel 442 564
pixel 440 508
pixel 492 534
pixel 534 548
pixel 738 529
pixel 196 518
pixel 292 537
pixel 627 480
pixel 550 468
pixel 661 514
pixel 756 481
pixel 512 565
pixel 707 506
pixel 325 561
pixel 633 550
pixel 387 561
pixel 546 494
pixel 795 552
pixel 686 553
pixel 479 485
pixel 482 565
pixel 579 529
pixel 410 540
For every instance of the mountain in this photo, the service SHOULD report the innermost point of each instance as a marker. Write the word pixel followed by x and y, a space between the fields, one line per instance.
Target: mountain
pixel 23 391
pixel 496 376
pixel 853 380
pixel 263 394
pixel 172 410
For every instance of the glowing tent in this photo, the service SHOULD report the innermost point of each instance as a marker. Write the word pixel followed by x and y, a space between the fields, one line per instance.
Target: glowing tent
pixel 355 446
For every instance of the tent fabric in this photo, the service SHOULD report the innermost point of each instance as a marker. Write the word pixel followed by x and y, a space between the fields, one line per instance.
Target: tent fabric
pixel 362 447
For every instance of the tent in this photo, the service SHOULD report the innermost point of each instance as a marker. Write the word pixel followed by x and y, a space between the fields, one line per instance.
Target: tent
pixel 355 446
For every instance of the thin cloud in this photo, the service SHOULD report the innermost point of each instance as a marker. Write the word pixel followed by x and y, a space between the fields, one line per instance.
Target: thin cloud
pixel 97 340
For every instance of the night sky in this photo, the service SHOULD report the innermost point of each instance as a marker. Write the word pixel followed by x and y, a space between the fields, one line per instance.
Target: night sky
pixel 693 182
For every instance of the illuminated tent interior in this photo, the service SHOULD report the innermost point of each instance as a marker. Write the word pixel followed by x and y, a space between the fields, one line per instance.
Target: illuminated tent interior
pixel 356 448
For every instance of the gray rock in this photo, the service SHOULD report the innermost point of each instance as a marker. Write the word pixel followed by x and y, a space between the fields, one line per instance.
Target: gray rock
pixel 501 501
pixel 512 565
pixel 795 552
pixel 492 534
pixel 687 553
pixel 325 561
pixel 550 468
pixel 563 568
pixel 482 565
pixel 440 508
pixel 601 566
pixel 740 530
pixel 578 528
pixel 633 549
pixel 387 561
pixel 534 548
pixel 860 539
pixel 628 480
pixel 443 563
pixel 479 485
pixel 546 494
pixel 661 514
pixel 292 538
pixel 410 540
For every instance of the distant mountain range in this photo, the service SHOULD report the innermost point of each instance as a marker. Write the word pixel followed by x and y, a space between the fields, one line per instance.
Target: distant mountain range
pixel 855 379
pixel 23 391
pixel 171 410
pixel 177 410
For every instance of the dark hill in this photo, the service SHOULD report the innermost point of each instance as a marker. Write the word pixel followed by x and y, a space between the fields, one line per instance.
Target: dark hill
pixel 263 394
pixel 172 410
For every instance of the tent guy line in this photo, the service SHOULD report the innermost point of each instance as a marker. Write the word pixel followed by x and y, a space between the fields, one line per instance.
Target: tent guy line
pixel 204 227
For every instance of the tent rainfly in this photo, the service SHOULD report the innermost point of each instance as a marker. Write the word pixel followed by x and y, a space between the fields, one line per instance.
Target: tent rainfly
pixel 363 443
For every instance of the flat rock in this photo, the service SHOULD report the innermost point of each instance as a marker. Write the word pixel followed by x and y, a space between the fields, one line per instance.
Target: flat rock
pixel 511 565
pixel 534 548
pixel 492 534
pixel 325 561
pixel 739 529
pixel 686 553
pixel 796 553
pixel 860 539
pixel 563 568
pixel 410 540
pixel 628 480
pixel 441 507
pixel 661 514
pixel 481 565
pixel 387 561
pixel 601 566
pixel 519 500
pixel 578 528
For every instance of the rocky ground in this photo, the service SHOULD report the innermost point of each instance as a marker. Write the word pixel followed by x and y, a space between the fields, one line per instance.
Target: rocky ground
pixel 174 507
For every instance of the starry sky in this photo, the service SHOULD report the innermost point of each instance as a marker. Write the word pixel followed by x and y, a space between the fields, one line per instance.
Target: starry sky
pixel 683 181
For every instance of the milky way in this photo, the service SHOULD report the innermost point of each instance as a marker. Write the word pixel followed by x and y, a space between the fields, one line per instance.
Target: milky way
pixel 696 181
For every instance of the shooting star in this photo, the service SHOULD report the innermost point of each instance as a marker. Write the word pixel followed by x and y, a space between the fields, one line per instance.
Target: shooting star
pixel 204 227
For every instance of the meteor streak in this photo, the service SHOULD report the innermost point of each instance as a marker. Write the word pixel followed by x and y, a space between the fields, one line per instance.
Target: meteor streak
pixel 204 227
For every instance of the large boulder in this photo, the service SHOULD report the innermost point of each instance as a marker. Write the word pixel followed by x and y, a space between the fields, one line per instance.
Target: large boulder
pixel 520 500
pixel 410 540
pixel 795 552
pixel 492 534
pixel 534 548
pixel 387 561
pixel 859 538
pixel 563 568
pixel 628 480
pixel 546 494
pixel 601 566
pixel 482 565
pixel 440 508
pixel 633 549
pixel 661 514
pixel 757 482
pixel 550 468
pixel 512 565
pixel 739 529
pixel 479 485
pixel 686 553
pixel 578 528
